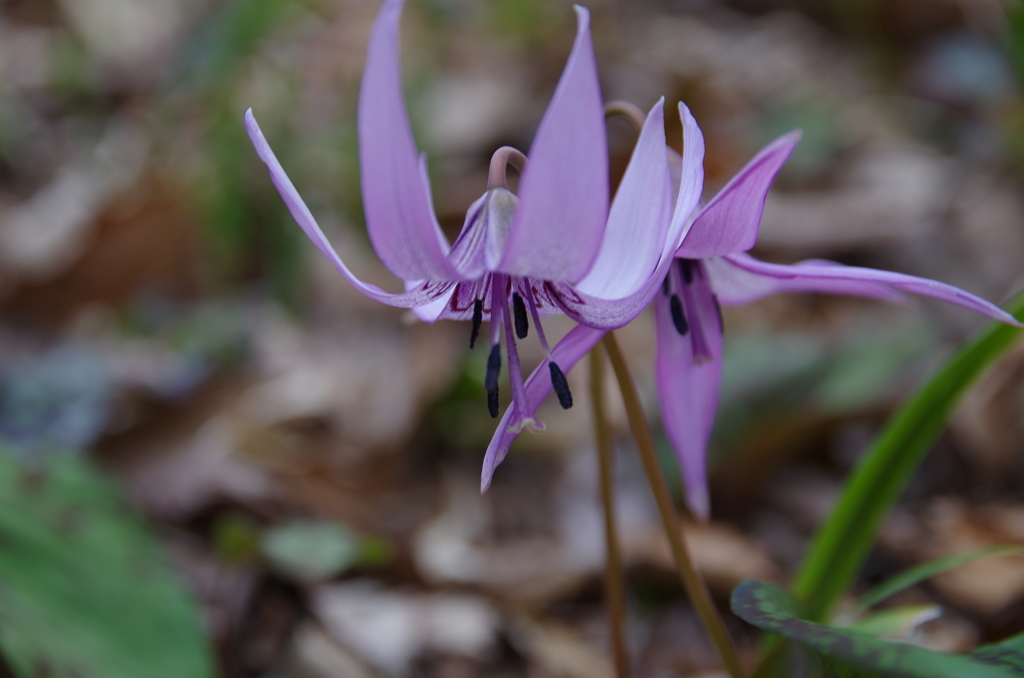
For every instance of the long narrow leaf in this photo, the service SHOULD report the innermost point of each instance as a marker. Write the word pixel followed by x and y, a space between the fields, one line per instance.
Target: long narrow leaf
pixel 855 654
pixel 844 541
pixel 919 573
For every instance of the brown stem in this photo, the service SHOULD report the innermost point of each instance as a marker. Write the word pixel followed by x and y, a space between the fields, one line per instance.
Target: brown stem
pixel 615 589
pixel 694 584
pixel 626 110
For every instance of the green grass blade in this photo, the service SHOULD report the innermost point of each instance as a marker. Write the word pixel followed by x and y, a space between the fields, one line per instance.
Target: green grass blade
pixel 919 573
pixel 844 541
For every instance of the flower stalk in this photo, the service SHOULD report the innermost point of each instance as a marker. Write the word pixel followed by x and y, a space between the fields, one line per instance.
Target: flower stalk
pixel 615 589
pixel 696 587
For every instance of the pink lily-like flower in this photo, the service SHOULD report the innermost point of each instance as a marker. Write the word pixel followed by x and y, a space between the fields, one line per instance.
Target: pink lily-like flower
pixel 712 267
pixel 554 246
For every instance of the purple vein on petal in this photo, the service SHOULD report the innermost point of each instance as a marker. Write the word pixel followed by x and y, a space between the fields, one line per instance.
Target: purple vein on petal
pixel 396 195
pixel 423 293
pixel 563 193
pixel 730 221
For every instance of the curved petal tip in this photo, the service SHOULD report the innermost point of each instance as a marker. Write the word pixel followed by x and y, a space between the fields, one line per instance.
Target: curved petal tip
pixel 582 18
pixel 729 223
pixel 563 191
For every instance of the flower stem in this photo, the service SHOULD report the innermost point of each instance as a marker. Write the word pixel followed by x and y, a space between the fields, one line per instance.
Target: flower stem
pixel 615 589
pixel 694 584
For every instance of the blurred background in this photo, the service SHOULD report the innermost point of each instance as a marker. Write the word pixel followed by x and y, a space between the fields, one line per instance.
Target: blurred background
pixel 217 458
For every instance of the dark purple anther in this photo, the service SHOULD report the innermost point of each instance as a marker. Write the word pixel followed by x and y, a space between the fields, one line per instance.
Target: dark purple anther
pixel 678 317
pixel 686 266
pixel 519 314
pixel 478 317
pixel 491 379
pixel 561 386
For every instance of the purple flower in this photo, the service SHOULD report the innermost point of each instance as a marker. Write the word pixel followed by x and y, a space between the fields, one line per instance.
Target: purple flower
pixel 554 247
pixel 712 267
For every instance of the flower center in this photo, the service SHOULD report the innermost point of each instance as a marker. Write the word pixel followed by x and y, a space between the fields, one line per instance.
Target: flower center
pixel 513 301
pixel 692 306
pixel 507 301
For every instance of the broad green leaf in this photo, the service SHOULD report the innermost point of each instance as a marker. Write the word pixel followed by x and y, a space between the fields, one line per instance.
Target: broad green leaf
pixel 773 609
pixel 844 541
pixel 84 587
pixel 919 573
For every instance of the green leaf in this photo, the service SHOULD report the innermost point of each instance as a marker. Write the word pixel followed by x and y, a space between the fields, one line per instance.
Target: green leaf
pixel 844 541
pixel 1009 653
pixel 773 609
pixel 84 587
pixel 309 550
pixel 927 570
pixel 1015 22
pixel 894 622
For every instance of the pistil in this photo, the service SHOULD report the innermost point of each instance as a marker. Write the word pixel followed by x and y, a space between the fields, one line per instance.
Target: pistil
pixel 494 359
pixel 515 375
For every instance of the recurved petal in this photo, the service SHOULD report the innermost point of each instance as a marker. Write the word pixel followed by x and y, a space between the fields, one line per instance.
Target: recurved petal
pixel 566 354
pixel 741 279
pixel 563 193
pixel 422 293
pixel 396 193
pixel 688 396
pixel 634 239
pixel 609 314
pixel 853 280
pixel 691 178
pixel 730 221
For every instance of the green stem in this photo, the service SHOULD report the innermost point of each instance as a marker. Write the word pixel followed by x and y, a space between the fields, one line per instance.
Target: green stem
pixel 696 587
pixel 615 588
